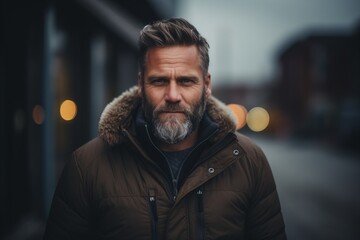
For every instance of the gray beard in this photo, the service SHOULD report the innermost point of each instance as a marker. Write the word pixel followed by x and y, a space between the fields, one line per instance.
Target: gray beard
pixel 172 130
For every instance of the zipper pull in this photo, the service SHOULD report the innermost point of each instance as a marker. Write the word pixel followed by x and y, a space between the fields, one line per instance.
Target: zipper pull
pixel 153 213
pixel 175 189
pixel 200 213
pixel 199 193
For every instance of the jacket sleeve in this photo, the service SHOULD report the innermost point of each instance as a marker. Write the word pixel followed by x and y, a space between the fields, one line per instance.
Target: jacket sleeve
pixel 265 220
pixel 69 214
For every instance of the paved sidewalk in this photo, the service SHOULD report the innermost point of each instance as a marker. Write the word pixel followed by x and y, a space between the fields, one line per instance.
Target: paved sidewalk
pixel 319 189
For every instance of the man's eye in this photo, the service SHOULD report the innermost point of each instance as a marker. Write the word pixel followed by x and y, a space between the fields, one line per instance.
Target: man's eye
pixel 185 81
pixel 158 81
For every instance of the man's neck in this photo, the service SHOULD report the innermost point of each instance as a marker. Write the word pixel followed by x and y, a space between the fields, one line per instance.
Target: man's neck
pixel 184 144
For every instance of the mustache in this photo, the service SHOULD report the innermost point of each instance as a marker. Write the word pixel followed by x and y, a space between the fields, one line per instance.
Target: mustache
pixel 172 108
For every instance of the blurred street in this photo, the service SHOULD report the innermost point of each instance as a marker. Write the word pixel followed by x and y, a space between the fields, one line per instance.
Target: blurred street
pixel 318 188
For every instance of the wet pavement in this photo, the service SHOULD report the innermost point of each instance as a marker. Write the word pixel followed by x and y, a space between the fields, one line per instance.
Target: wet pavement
pixel 319 189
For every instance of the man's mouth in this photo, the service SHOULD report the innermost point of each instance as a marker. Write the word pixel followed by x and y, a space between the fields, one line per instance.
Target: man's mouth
pixel 172 112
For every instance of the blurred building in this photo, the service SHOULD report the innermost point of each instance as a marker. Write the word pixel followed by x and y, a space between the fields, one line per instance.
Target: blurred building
pixel 52 51
pixel 317 90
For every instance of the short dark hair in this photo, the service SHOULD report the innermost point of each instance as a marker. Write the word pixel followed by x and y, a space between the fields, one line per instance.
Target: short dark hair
pixel 171 32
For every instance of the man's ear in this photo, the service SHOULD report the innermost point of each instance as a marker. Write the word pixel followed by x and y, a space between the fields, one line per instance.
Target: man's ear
pixel 140 84
pixel 208 85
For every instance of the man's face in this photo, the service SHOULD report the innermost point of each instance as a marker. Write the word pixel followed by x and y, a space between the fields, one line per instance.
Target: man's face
pixel 173 90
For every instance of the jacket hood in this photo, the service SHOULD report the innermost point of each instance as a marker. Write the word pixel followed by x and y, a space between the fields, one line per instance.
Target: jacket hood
pixel 118 115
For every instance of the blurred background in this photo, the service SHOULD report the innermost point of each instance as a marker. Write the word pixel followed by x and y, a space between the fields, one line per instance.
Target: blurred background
pixel 293 66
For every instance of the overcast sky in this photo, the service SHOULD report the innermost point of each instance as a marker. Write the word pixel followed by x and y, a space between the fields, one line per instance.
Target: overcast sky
pixel 245 35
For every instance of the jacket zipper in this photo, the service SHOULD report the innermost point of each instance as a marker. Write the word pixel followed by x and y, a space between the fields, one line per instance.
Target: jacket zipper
pixel 175 180
pixel 174 190
pixel 175 187
pixel 153 214
pixel 200 214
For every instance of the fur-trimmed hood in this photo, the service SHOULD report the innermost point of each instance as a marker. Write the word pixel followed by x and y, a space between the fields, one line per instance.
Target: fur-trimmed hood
pixel 118 115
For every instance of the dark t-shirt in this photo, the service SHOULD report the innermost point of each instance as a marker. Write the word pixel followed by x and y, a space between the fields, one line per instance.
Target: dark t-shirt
pixel 175 160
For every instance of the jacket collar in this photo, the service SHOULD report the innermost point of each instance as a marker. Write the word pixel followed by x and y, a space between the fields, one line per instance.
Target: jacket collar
pixel 120 114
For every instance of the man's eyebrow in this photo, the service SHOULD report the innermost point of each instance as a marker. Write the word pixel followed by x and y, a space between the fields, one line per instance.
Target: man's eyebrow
pixel 191 77
pixel 157 76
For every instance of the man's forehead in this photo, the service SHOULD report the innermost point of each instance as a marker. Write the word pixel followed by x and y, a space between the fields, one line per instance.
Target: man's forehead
pixel 173 57
pixel 173 52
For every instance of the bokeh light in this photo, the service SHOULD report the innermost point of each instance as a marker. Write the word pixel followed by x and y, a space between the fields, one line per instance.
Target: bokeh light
pixel 240 113
pixel 257 119
pixel 38 114
pixel 68 110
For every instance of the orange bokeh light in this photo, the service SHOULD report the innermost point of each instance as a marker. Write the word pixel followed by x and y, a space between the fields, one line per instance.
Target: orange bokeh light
pixel 240 113
pixel 68 110
pixel 38 114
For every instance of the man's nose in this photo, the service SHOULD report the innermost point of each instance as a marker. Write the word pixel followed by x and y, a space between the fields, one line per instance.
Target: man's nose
pixel 172 92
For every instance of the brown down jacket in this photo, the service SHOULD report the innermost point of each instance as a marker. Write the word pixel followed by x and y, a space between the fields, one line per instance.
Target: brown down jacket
pixel 114 188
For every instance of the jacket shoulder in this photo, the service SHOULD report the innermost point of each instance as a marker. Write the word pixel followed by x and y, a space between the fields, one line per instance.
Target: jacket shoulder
pixel 89 155
pixel 251 150
pixel 95 143
pixel 94 147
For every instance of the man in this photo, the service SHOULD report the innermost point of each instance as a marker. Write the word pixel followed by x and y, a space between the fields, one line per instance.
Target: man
pixel 168 163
